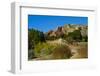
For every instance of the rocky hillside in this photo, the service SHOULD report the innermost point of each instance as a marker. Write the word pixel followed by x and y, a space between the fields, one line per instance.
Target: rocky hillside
pixel 65 42
pixel 66 29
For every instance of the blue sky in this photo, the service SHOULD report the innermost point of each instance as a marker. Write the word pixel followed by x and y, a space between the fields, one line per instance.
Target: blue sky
pixel 45 23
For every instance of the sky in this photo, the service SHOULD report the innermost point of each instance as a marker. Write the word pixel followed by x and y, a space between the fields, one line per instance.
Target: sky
pixel 46 23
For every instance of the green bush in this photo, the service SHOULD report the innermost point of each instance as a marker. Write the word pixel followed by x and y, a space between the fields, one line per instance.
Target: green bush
pixel 75 35
pixel 34 37
pixel 43 49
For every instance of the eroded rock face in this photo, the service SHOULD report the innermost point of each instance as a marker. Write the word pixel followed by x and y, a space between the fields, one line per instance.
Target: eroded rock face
pixel 58 32
pixel 64 30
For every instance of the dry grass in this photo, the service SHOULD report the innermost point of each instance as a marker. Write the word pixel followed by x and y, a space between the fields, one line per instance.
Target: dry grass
pixel 81 51
pixel 61 52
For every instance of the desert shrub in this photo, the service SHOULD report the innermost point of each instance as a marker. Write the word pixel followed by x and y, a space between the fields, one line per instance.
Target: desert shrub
pixel 75 35
pixel 43 49
pixel 69 40
pixel 51 37
pixel 61 52
pixel 57 51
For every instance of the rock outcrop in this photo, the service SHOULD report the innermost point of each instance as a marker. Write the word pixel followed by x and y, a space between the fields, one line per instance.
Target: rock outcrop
pixel 64 30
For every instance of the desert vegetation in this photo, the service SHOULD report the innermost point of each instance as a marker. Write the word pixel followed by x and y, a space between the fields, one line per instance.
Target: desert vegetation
pixel 65 42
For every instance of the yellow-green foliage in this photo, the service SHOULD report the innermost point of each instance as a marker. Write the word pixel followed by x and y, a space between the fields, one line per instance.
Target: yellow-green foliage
pixel 43 49
pixel 57 51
